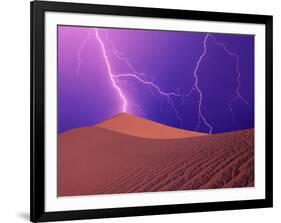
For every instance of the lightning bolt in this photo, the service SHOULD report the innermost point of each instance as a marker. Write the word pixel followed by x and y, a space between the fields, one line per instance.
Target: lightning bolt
pixel 79 52
pixel 168 95
pixel 140 77
pixel 111 75
pixel 120 56
pixel 238 95
pixel 197 89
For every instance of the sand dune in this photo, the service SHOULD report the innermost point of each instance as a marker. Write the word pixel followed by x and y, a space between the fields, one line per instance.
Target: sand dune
pixel 136 126
pixel 95 160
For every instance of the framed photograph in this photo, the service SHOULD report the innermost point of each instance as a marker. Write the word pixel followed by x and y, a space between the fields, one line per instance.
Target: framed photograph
pixel 144 111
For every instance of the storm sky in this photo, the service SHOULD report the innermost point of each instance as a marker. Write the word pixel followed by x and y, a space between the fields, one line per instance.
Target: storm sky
pixel 195 81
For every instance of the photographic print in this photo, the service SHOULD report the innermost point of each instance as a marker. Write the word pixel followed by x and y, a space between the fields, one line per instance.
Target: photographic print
pixel 146 111
pixel 153 110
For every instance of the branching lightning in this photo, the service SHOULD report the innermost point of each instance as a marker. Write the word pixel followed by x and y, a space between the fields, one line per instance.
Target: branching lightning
pixel 238 95
pixel 168 95
pixel 196 88
pixel 140 77
pixel 119 56
pixel 143 78
pixel 79 52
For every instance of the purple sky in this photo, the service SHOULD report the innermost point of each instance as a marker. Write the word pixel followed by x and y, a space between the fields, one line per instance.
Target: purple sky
pixel 183 79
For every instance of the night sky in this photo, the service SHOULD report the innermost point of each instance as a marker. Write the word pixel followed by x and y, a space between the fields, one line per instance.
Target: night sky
pixel 195 81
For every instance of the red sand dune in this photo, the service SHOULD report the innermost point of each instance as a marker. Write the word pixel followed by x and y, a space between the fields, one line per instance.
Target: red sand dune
pixel 95 160
pixel 136 126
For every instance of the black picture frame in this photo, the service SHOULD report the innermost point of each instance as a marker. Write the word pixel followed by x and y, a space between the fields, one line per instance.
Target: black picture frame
pixel 37 164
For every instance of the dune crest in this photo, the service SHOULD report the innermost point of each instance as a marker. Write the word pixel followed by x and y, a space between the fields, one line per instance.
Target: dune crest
pixel 135 126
